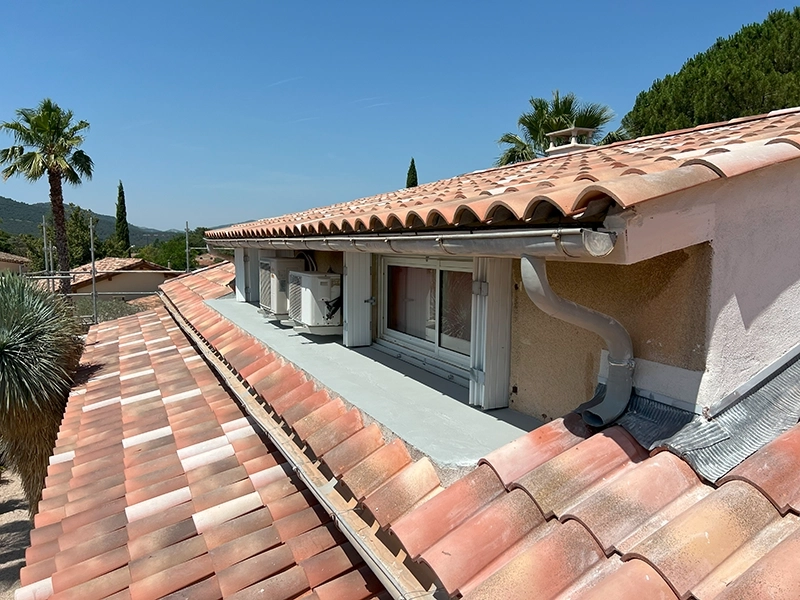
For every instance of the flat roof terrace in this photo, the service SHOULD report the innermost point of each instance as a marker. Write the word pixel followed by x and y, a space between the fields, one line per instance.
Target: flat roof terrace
pixel 424 410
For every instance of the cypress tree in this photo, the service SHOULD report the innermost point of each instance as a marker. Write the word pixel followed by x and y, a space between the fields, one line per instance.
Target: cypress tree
pixel 411 176
pixel 121 223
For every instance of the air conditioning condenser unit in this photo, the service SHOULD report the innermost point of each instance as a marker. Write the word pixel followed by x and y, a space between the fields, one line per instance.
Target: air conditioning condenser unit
pixel 315 302
pixel 273 283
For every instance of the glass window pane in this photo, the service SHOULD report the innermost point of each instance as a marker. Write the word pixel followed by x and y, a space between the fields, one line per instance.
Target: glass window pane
pixel 411 305
pixel 456 311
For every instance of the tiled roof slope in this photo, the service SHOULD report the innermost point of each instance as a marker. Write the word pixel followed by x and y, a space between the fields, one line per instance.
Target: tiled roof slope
pixel 13 258
pixel 112 264
pixel 208 283
pixel 560 513
pixel 539 191
pixel 159 487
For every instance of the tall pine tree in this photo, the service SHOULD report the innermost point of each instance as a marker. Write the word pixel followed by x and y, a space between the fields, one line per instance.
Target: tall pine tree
pixel 754 71
pixel 411 176
pixel 121 231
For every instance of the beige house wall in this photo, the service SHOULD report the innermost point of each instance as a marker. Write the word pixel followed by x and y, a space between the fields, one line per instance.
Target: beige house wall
pixel 753 316
pixel 662 302
pixel 12 266
pixel 135 281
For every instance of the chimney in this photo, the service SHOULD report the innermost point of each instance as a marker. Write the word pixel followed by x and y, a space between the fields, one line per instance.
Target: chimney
pixel 572 146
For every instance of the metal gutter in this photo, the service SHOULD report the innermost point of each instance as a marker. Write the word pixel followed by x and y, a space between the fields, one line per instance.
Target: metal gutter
pixel 558 243
pixel 620 349
pixel 390 571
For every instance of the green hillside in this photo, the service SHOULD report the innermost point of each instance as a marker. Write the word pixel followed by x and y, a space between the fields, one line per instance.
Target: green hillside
pixel 18 217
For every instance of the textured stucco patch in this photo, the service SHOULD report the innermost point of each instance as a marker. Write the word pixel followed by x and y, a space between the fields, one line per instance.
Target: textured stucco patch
pixel 662 302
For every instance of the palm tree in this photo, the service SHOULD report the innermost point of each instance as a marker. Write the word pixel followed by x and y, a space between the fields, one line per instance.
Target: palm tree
pixel 46 140
pixel 547 116
pixel 40 347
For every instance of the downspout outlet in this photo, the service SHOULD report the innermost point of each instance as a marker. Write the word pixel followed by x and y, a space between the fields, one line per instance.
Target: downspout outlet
pixel 615 336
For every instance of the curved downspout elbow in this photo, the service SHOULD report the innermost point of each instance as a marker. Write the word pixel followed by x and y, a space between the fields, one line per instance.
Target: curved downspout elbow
pixel 618 342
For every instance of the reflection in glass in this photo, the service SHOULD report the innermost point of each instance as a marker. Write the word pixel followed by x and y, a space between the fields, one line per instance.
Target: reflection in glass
pixel 412 301
pixel 456 311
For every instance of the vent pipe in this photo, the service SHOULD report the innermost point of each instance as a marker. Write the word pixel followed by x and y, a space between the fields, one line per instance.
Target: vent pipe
pixel 620 349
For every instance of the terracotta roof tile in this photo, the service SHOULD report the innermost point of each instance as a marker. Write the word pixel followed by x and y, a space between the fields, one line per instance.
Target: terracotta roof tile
pixel 612 517
pixel 773 470
pixel 422 528
pixel 689 550
pixel 628 172
pixel 161 486
pixel 13 258
pixel 111 264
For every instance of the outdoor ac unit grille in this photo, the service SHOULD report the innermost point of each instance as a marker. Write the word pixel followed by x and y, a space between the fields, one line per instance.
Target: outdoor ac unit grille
pixel 295 297
pixel 265 286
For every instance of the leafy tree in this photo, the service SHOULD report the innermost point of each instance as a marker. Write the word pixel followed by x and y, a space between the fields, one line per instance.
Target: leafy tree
pixel 79 237
pixel 40 347
pixel 29 245
pixel 47 141
pixel 547 116
pixel 411 176
pixel 754 71
pixel 172 253
pixel 121 231
pixel 5 242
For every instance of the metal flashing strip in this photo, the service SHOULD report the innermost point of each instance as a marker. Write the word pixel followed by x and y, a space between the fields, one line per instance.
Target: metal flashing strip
pixel 759 378
pixel 714 447
pixel 650 421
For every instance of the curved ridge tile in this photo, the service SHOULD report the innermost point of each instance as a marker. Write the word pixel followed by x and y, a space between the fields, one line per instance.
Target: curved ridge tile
pixel 425 525
pixel 523 545
pixel 402 491
pixel 353 450
pixel 378 467
pixel 481 538
pixel 562 481
pixel 526 453
pixel 632 580
pixel 774 471
pixel 747 157
pixel 544 570
pixel 629 190
pixel 618 509
pixel 687 549
pixel 745 557
pixel 789 137
pixel 775 576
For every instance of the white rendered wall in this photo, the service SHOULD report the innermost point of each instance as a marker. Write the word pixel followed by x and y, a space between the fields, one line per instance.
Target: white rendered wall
pixel 240 282
pixel 357 308
pixel 753 316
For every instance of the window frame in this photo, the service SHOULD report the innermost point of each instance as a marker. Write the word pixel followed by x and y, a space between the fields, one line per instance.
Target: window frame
pixel 427 351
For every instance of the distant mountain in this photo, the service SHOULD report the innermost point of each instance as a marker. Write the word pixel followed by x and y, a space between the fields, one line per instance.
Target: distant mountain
pixel 18 217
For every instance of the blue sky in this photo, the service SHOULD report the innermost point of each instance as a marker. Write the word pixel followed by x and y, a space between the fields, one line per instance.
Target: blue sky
pixel 217 112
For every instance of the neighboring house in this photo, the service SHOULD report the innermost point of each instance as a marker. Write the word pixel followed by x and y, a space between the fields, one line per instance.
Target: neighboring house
pixel 14 263
pixel 373 477
pixel 206 260
pixel 139 277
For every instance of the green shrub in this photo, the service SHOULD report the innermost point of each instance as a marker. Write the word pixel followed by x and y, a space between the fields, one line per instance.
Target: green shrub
pixel 40 347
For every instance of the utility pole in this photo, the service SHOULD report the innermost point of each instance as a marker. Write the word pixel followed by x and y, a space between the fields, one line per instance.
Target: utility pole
pixel 94 272
pixel 54 282
pixel 44 250
pixel 187 246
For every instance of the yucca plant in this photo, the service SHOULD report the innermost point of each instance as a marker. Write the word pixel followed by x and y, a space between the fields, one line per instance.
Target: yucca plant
pixel 40 347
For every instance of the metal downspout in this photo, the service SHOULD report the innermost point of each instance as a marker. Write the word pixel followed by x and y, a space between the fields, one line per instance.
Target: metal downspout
pixel 617 339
